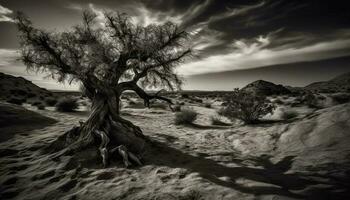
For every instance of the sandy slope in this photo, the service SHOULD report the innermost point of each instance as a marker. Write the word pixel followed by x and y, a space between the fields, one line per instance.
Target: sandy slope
pixel 305 159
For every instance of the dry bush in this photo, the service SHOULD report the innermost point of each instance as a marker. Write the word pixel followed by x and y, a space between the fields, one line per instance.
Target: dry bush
pixel 192 195
pixel 50 101
pixel 66 105
pixel 40 106
pixel 320 97
pixel 311 100
pixel 207 105
pixel 186 116
pixel 186 96
pixel 197 100
pixel 17 101
pixel 246 106
pixel 290 114
pixel 177 108
pixel 36 103
pixel 341 98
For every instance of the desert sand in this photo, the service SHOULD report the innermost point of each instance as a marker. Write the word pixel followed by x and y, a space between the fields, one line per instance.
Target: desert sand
pixel 306 158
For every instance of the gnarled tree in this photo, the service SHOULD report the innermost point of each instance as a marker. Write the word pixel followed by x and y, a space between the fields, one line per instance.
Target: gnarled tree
pixel 108 58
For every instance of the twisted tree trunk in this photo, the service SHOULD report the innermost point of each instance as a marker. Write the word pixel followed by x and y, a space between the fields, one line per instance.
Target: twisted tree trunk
pixel 106 129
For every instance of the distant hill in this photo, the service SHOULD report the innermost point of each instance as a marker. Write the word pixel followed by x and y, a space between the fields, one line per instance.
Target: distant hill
pixel 262 87
pixel 338 84
pixel 297 74
pixel 12 87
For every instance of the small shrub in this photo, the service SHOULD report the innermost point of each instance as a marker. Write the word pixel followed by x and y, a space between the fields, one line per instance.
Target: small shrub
pixel 41 107
pixel 289 115
pixel 320 97
pixel 17 101
pixel 192 195
pixel 311 100
pixel 341 98
pixel 185 96
pixel 36 103
pixel 207 105
pixel 197 100
pixel 185 117
pixel 177 108
pixel 50 101
pixel 66 105
pixel 295 104
pixel 215 120
pixel 246 106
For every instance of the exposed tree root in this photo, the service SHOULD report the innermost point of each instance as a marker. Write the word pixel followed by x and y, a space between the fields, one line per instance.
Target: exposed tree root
pixel 128 145
pixel 107 131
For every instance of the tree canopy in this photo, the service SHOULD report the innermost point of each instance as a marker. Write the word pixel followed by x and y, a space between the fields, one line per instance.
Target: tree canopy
pixel 108 58
pixel 114 53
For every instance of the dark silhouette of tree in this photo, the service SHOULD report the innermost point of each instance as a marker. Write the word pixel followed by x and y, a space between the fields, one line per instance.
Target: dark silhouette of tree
pixel 108 58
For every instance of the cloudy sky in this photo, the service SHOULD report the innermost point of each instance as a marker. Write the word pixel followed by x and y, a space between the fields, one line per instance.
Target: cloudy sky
pixel 286 41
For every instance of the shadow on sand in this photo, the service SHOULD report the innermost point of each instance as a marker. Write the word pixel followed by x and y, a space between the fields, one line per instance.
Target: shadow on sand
pixel 200 126
pixel 270 173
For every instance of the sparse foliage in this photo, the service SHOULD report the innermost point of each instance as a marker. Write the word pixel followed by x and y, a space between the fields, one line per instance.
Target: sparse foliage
pixel 246 106
pixel 311 100
pixel 66 105
pixel 177 108
pixel 192 195
pixel 341 98
pixel 41 107
pixel 15 100
pixel 289 114
pixel 186 116
pixel 207 105
pixel 50 101
pixel 107 58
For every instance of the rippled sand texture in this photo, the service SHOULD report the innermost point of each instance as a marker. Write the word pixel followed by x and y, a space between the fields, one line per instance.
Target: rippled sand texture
pixel 307 158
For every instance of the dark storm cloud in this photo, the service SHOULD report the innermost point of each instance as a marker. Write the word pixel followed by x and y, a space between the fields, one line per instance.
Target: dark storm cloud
pixel 226 34
pixel 313 21
pixel 171 6
pixel 228 20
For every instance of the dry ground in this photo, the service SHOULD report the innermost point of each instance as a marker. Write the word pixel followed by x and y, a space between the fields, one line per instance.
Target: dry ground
pixel 303 158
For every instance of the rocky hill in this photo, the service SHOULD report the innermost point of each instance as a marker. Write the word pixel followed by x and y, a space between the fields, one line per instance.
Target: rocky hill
pixel 338 84
pixel 19 89
pixel 262 87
